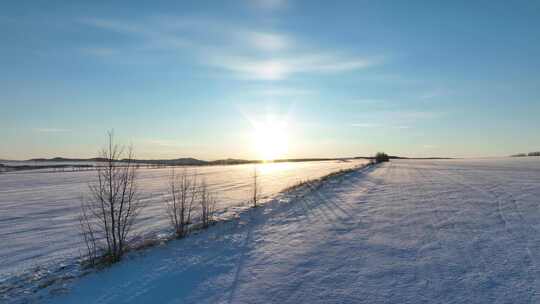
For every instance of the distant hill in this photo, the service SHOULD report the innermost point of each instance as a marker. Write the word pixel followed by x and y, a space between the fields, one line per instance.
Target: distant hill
pixel 63 159
pixel 188 161
pixel 231 161
pixel 176 162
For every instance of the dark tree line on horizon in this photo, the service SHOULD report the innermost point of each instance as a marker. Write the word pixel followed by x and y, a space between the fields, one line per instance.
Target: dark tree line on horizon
pixel 527 154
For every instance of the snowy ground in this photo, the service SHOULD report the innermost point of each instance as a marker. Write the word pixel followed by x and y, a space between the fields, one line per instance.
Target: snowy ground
pixel 461 231
pixel 38 211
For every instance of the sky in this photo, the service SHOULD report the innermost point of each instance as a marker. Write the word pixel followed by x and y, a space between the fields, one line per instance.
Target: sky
pixel 220 79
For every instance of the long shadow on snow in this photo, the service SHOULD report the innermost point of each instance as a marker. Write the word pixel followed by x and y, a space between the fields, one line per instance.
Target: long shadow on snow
pixel 207 265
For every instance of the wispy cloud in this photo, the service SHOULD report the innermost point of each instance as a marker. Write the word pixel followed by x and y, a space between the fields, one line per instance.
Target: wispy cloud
pixel 284 91
pixel 50 130
pixel 368 101
pixel 416 115
pixel 267 41
pixel 99 51
pixel 280 68
pixel 116 26
pixel 366 125
pixel 269 4
pixel 151 35
pixel 398 120
pixel 435 94
pixel 246 53
pixel 379 125
pixel 165 143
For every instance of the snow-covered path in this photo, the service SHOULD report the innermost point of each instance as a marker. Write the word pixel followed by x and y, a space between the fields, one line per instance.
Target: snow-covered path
pixel 405 232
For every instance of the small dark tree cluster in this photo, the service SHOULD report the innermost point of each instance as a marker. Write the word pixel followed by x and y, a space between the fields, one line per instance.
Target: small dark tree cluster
pixel 526 154
pixel 520 155
pixel 381 157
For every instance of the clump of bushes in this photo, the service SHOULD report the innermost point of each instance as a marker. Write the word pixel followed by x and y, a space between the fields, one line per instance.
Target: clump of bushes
pixel 381 157
pixel 186 194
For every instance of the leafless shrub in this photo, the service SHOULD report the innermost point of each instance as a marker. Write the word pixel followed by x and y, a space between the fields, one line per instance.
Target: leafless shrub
pixel 89 237
pixel 207 204
pixel 184 192
pixel 256 187
pixel 109 214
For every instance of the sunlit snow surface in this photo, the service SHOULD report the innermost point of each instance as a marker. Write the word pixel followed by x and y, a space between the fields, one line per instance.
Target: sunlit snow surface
pixel 458 231
pixel 38 211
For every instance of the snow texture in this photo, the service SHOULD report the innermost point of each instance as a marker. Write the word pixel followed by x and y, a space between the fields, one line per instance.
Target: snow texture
pixel 459 231
pixel 39 228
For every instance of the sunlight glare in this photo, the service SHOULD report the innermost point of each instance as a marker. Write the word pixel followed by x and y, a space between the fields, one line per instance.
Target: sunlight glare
pixel 270 140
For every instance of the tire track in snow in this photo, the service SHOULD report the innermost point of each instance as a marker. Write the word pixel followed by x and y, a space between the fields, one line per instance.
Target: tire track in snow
pixel 432 196
pixel 420 271
pixel 507 198
pixel 509 226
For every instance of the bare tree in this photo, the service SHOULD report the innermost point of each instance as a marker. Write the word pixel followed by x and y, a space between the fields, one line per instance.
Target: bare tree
pixel 256 187
pixel 184 192
pixel 207 204
pixel 88 235
pixel 109 214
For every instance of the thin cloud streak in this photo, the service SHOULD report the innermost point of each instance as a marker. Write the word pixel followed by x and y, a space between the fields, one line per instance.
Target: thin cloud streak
pixel 267 41
pixel 365 125
pixel 153 37
pixel 269 5
pixel 281 68
pixel 378 125
pixel 99 51
pixel 244 59
pixel 51 130
pixel 284 91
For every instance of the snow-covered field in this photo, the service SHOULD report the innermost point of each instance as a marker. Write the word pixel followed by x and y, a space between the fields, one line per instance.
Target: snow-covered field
pixel 38 211
pixel 445 231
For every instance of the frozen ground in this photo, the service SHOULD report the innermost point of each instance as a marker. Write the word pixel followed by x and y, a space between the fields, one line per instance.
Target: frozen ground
pixel 38 211
pixel 462 231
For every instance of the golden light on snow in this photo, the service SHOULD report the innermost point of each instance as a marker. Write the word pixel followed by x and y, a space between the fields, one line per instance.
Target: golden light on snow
pixel 270 139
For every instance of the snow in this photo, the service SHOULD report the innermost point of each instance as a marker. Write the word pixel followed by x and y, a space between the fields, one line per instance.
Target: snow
pixel 39 210
pixel 437 231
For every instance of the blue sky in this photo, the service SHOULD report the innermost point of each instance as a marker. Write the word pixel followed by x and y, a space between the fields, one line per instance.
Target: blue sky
pixel 196 78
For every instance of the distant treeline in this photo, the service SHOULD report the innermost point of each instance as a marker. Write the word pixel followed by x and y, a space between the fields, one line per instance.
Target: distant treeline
pixel 8 168
pixel 526 154
pixel 401 157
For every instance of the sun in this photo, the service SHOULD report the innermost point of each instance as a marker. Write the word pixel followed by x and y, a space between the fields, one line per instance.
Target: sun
pixel 270 139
